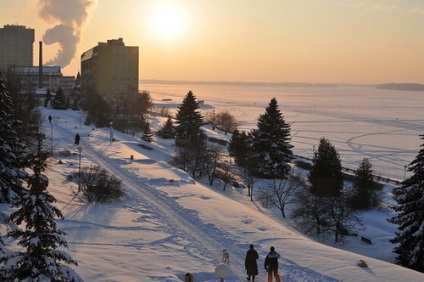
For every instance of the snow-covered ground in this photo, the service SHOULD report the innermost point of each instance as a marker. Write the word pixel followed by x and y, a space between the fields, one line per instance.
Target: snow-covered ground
pixel 168 225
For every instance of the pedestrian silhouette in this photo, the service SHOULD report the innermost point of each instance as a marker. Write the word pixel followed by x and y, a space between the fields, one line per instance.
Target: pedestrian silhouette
pixel 251 264
pixel 77 139
pixel 271 265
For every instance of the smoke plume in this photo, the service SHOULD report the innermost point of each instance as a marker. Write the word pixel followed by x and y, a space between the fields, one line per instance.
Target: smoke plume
pixel 69 16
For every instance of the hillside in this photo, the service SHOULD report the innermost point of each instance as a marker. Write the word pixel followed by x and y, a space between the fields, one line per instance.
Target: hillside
pixel 168 224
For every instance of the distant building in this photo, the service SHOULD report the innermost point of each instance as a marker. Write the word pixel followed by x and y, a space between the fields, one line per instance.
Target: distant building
pixel 29 78
pixel 110 69
pixel 67 83
pixel 16 46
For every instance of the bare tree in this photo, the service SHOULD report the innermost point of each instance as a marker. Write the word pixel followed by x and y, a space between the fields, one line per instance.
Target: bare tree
pixel 224 172
pixel 249 179
pixel 210 117
pixel 323 216
pixel 343 220
pixel 225 121
pixel 213 157
pixel 191 160
pixel 309 214
pixel 130 112
pixel 279 192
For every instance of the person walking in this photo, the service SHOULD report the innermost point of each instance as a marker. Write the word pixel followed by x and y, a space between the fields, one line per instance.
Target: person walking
pixel 77 139
pixel 271 265
pixel 250 263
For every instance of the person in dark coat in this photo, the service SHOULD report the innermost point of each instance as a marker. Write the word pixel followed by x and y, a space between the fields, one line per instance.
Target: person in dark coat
pixel 271 265
pixel 250 263
pixel 77 139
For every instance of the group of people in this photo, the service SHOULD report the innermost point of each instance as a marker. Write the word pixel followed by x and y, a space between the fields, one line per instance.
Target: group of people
pixel 271 264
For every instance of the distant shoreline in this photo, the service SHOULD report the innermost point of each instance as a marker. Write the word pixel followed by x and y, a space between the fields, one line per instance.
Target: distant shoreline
pixel 401 86
pixel 240 83
pixel 384 86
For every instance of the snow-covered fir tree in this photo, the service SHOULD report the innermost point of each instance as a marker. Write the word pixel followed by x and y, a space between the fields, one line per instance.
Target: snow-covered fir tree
pixel 326 175
pixel 147 133
pixel 240 148
pixel 365 192
pixel 40 259
pixel 271 143
pixel 60 100
pixel 189 120
pixel 409 216
pixel 167 130
pixel 11 170
pixel 190 140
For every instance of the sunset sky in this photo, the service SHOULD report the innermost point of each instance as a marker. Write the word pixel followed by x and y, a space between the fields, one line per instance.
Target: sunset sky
pixel 320 41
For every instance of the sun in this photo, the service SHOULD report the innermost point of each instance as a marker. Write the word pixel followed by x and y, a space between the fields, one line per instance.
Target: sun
pixel 168 20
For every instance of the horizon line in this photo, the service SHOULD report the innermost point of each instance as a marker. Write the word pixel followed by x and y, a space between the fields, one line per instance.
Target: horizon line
pixel 261 83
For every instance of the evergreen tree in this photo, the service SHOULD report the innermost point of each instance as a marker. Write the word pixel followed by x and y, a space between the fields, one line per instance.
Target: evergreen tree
pixel 410 216
pixel 40 261
pixel 167 130
pixel 271 146
pixel 59 100
pixel 191 141
pixel 326 176
pixel 239 148
pixel 188 132
pixel 147 133
pixel 365 194
pixel 11 166
pixel 26 108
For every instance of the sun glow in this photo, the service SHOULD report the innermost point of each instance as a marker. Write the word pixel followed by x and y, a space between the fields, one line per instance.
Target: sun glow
pixel 168 20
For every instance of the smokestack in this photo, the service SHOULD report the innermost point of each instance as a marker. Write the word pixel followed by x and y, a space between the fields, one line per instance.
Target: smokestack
pixel 40 66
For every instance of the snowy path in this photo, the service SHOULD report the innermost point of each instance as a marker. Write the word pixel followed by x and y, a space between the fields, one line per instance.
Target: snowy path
pixel 203 242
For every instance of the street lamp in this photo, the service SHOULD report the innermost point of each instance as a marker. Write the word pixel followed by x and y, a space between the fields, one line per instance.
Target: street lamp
pixel 404 172
pixel 79 168
pixel 51 135
pixel 111 132
pixel 80 114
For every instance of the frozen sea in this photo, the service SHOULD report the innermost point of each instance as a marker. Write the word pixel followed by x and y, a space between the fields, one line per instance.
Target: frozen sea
pixel 360 121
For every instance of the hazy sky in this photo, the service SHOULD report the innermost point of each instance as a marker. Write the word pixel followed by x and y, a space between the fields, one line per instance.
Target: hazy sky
pixel 349 41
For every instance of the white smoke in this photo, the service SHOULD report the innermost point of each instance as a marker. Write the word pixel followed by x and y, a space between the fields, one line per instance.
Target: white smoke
pixel 69 15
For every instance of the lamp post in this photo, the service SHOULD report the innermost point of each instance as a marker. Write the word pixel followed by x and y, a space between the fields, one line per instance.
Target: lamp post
pixel 51 135
pixel 404 172
pixel 111 132
pixel 79 168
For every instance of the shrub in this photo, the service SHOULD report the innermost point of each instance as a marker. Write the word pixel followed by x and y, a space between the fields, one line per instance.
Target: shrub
pixel 165 112
pixel 97 185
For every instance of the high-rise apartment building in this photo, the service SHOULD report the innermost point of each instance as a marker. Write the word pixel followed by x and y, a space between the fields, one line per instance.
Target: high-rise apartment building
pixel 16 46
pixel 110 69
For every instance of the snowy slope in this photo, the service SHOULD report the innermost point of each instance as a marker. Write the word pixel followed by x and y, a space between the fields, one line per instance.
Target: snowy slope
pixel 168 224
